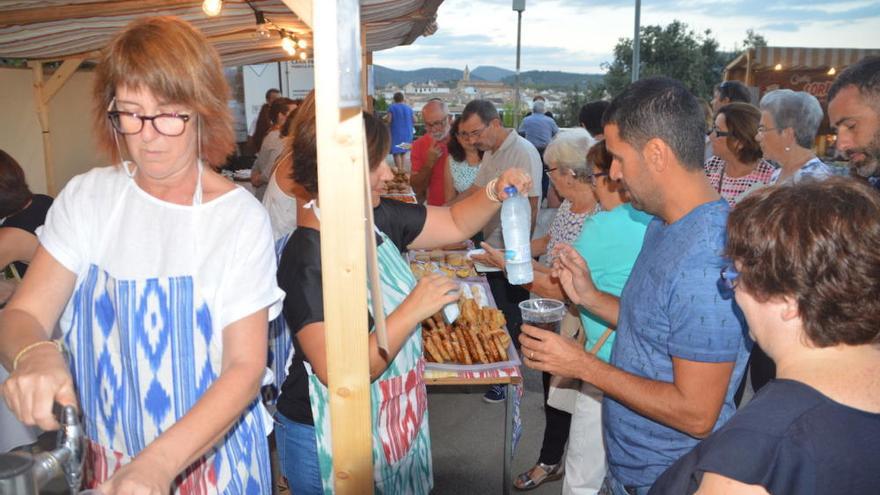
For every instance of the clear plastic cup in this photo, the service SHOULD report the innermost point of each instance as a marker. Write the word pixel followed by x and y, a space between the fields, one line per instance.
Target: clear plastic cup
pixel 543 313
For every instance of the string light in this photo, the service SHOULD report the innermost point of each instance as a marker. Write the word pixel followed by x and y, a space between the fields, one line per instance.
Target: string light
pixel 777 67
pixel 288 45
pixel 303 44
pixel 212 8
pixel 832 71
pixel 262 32
pixel 303 55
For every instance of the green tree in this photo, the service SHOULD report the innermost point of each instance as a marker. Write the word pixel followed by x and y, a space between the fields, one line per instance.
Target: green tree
pixel 379 104
pixel 675 51
pixel 753 40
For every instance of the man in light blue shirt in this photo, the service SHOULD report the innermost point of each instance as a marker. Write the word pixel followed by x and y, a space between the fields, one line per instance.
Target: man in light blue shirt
pixel 681 345
pixel 539 129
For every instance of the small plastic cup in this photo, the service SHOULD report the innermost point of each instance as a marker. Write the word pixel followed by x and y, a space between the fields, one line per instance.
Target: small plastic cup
pixel 543 313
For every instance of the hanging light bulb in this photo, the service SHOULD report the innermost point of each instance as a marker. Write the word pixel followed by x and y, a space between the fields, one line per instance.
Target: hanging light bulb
pixel 303 43
pixel 303 55
pixel 288 45
pixel 212 8
pixel 263 32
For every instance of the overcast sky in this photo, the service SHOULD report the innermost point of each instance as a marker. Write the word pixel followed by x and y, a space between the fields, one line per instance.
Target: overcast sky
pixel 578 35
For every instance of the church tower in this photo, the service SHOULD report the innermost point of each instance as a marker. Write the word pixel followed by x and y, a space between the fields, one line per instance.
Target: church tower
pixel 467 74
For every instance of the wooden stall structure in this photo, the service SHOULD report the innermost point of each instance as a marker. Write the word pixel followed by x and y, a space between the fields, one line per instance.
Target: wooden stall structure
pixel 812 70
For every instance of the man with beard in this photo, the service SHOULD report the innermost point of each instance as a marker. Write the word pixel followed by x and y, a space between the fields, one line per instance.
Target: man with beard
pixel 680 350
pixel 854 110
pixel 429 154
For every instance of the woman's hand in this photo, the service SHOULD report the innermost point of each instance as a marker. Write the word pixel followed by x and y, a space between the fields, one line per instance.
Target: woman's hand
pixel 143 476
pixel 493 257
pixel 430 295
pixel 513 177
pixel 573 273
pixel 41 378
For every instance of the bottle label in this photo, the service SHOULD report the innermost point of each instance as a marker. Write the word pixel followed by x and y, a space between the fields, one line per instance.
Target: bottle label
pixel 519 254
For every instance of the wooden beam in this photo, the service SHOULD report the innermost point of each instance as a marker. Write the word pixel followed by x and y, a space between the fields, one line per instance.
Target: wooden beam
pixel 24 17
pixel 61 75
pixel 302 9
pixel 42 107
pixel 343 249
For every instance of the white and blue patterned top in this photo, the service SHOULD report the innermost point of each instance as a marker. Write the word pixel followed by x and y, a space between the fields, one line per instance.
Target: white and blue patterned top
pixel 814 169
pixel 157 283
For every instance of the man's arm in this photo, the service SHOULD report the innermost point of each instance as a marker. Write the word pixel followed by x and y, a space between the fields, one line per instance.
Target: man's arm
pixel 423 168
pixel 533 202
pixel 691 403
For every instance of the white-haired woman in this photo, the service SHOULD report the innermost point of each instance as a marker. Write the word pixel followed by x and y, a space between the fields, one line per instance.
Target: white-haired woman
pixel 566 158
pixel 789 121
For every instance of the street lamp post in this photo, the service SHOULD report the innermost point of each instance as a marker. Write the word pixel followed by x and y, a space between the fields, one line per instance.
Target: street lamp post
pixel 637 43
pixel 519 6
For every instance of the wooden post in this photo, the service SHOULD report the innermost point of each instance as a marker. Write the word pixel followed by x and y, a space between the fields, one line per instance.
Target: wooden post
pixel 43 93
pixel 343 249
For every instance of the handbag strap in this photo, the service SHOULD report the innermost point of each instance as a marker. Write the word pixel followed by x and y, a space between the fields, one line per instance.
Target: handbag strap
pixel 601 341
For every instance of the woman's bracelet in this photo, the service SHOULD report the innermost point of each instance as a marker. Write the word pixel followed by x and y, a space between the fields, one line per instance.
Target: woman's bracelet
pixel 490 191
pixel 21 353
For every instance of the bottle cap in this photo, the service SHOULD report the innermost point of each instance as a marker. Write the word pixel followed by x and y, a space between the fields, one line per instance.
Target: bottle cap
pixel 510 191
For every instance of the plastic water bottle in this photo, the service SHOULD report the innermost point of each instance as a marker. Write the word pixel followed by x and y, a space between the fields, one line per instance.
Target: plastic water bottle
pixel 516 224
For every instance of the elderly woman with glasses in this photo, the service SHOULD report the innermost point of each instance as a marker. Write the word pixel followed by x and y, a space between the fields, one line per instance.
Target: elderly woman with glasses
pixel 736 167
pixel 161 275
pixel 788 126
pixel 799 255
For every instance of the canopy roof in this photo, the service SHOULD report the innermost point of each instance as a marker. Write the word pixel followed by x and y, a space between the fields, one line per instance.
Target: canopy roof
pixel 59 29
pixel 799 58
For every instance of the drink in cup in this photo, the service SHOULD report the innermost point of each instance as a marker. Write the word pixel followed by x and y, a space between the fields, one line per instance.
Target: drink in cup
pixel 543 313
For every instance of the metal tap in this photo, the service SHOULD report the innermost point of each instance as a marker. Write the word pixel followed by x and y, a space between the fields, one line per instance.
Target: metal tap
pixel 23 473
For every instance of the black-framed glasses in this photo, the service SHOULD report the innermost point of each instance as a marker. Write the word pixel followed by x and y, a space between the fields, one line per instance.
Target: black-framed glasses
pixel 166 124
pixel 596 175
pixel 718 132
pixel 728 277
pixel 437 123
pixel 472 134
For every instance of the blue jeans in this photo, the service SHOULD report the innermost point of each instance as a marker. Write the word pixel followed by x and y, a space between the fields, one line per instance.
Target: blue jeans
pixel 298 454
pixel 612 486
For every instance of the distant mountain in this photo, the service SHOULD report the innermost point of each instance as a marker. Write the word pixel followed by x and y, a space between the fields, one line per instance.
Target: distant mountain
pixel 385 75
pixel 553 79
pixel 535 78
pixel 489 73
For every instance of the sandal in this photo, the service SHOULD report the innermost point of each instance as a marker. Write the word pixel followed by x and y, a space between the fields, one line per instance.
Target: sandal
pixel 547 472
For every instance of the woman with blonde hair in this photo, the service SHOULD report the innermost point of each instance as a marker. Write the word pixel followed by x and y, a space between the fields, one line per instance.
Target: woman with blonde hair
pixel 162 274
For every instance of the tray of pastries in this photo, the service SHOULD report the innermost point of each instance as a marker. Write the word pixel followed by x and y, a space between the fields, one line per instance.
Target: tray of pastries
pixel 451 263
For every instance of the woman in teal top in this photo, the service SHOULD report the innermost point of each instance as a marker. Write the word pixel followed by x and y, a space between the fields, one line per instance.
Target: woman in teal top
pixel 609 242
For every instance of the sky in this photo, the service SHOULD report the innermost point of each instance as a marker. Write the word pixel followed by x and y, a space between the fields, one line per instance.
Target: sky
pixel 579 35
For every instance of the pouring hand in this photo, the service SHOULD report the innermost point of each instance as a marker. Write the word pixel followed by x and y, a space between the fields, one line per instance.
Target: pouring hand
pixel 40 379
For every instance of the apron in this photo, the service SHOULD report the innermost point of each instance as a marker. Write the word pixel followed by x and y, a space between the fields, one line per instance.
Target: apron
pixel 143 351
pixel 399 400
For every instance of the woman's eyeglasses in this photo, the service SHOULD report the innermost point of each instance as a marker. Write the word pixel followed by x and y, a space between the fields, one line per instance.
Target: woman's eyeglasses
pixel 594 176
pixel 167 124
pixel 762 129
pixel 718 132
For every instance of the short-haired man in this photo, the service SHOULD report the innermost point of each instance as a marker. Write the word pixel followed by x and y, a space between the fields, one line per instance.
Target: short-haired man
pixel 400 119
pixel 429 154
pixel 854 110
pixel 729 92
pixel 590 118
pixel 539 129
pixel 680 350
pixel 503 148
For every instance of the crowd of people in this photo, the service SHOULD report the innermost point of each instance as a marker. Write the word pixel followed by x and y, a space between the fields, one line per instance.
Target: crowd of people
pixel 680 274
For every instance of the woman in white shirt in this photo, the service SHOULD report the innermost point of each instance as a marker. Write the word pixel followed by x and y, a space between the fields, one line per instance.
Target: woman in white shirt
pixel 162 274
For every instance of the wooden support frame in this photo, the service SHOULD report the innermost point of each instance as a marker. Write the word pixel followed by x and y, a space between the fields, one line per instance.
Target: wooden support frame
pixel 342 197
pixel 44 91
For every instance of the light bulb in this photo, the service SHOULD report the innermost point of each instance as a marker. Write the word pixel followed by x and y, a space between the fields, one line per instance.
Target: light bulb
pixel 832 71
pixel 303 43
pixel 777 67
pixel 262 32
pixel 288 45
pixel 303 55
pixel 212 8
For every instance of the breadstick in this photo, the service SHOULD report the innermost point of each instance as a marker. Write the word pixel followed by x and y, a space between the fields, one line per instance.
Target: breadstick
pixel 459 338
pixel 430 323
pixel 502 349
pixel 433 353
pixel 491 351
pixel 471 345
pixel 481 353
pixel 439 345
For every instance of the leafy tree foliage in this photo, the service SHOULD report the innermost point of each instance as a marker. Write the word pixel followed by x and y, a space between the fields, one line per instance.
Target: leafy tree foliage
pixel 675 51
